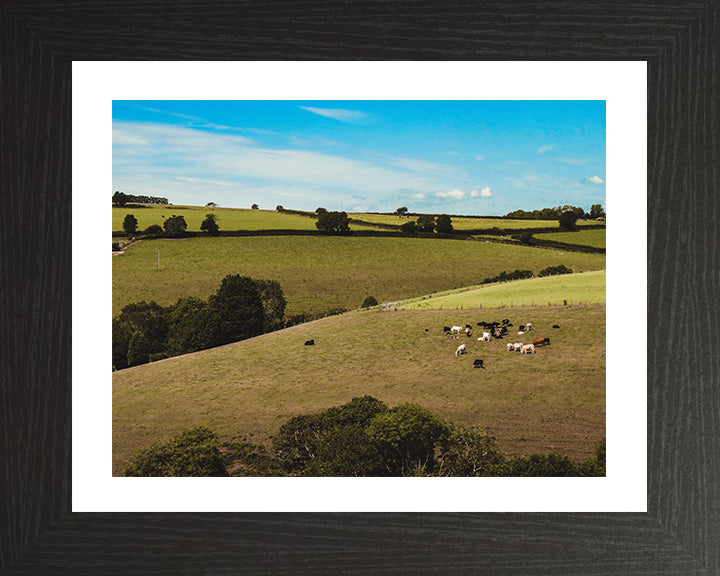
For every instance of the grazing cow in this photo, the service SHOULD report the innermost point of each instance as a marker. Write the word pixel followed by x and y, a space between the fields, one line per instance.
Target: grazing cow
pixel 461 350
pixel 527 349
pixel 522 328
pixel 556 326
pixel 520 333
pixel 506 321
pixel 529 327
pixel 541 342
pixel 468 327
pixel 455 329
pixel 309 342
pixel 517 346
pixel 446 329
pixel 509 347
pixel 477 363
pixel 486 336
pixel 509 325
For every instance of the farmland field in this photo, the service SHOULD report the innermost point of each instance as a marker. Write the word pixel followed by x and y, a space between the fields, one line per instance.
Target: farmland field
pixel 551 401
pixel 588 287
pixel 594 238
pixel 318 272
pixel 228 218
pixel 461 223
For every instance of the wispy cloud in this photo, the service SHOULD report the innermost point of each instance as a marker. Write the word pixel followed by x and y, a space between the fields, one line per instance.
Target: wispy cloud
pixel 545 148
pixel 203 181
pixel 418 196
pixel 596 180
pixel 341 114
pixel 455 194
pixel 573 161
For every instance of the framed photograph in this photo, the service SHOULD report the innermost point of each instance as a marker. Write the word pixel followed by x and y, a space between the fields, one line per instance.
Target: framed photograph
pixel 61 518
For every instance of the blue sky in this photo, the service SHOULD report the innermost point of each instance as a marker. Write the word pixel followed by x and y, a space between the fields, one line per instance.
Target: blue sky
pixel 455 157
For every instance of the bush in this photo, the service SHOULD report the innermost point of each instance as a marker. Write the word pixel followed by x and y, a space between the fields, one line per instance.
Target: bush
pixel 153 230
pixel 468 452
pixel 526 238
pixel 555 270
pixel 426 223
pixel 508 276
pixel 568 219
pixel 138 350
pixel 409 227
pixel 369 302
pixel 333 223
pixel 443 224
pixel 550 465
pixel 193 452
pixel 116 246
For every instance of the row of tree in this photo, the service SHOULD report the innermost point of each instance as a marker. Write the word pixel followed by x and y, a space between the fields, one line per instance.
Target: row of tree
pixel 428 223
pixel 596 211
pixel 361 438
pixel 120 199
pixel 173 227
pixel 241 308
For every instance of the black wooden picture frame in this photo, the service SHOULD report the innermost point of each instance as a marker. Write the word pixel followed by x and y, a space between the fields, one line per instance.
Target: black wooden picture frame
pixel 680 533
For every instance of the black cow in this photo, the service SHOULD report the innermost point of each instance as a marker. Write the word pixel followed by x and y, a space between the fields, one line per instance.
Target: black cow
pixel 556 326
pixel 506 321
pixel 522 328
pixel 446 330
pixel 478 364
pixel 310 343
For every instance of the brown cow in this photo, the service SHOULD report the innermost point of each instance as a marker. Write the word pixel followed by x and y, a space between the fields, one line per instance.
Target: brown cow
pixel 541 341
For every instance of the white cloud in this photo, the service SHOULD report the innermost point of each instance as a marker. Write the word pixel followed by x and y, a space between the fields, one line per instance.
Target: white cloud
pixel 479 157
pixel 573 161
pixel 418 196
pixel 596 180
pixel 545 148
pixel 203 181
pixel 484 193
pixel 456 194
pixel 340 114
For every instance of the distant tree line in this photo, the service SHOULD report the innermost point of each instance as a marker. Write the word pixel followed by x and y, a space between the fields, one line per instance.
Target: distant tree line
pixel 596 211
pixel 241 308
pixel 428 223
pixel 173 227
pixel 522 274
pixel 361 438
pixel 120 199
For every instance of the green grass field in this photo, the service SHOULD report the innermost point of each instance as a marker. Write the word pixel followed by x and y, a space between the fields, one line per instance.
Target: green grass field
pixel 585 288
pixel 551 401
pixel 228 218
pixel 594 238
pixel 460 223
pixel 318 272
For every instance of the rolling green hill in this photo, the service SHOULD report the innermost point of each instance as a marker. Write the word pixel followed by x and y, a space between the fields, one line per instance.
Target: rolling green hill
pixel 318 273
pixel 551 401
pixel 594 238
pixel 588 287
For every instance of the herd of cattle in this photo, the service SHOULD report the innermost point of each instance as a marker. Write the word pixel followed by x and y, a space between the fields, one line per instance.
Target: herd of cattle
pixel 497 330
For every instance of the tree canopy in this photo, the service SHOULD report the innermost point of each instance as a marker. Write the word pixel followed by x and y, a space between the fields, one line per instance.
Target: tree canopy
pixel 333 223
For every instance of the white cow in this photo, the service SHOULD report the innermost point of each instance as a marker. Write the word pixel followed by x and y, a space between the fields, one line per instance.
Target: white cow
pixel 520 332
pixel 456 329
pixel 527 349
pixel 460 350
pixel 509 347
pixel 486 336
pixel 528 327
pixel 517 346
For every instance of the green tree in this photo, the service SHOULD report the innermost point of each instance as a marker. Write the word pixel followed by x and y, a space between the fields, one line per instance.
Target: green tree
pixel 406 438
pixel 273 302
pixel 255 207
pixel 237 309
pixel 426 222
pixel 567 220
pixel 546 465
pixel 210 225
pixel 119 199
pixel 138 349
pixel 443 224
pixel 333 223
pixel 193 452
pixel 211 205
pixel 596 211
pixel 469 452
pixel 190 328
pixel 175 226
pixel 149 318
pixel 130 224
pixel 402 211
pixel 409 227
pixel 121 335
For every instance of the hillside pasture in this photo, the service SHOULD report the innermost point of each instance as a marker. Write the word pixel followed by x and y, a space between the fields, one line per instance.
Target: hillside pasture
pixel 594 238
pixel 466 222
pixel 550 401
pixel 318 273
pixel 228 218
pixel 588 287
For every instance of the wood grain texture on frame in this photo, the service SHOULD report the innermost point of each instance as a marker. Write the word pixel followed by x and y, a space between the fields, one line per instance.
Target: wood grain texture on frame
pixel 680 534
